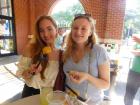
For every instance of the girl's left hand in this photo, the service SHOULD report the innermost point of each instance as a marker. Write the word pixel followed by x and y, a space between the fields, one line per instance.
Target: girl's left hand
pixel 35 69
pixel 78 77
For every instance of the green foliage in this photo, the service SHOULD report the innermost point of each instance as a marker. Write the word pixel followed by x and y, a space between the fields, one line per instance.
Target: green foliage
pixel 132 21
pixel 64 18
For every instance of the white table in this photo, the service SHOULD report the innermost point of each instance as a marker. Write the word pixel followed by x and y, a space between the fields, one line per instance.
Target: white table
pixel 32 100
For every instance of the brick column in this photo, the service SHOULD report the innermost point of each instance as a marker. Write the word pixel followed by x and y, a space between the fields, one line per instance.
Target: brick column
pixel 115 19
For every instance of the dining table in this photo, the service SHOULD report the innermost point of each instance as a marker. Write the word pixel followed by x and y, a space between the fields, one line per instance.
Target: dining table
pixel 31 100
pixel 35 100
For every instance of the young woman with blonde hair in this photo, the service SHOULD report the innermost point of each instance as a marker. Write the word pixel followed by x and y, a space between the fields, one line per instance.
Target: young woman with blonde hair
pixel 86 64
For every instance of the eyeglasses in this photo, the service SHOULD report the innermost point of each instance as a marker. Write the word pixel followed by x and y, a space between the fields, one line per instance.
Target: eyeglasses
pixel 88 16
pixel 82 15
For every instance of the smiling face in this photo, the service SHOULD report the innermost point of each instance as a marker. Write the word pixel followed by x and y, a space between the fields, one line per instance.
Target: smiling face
pixel 47 31
pixel 81 30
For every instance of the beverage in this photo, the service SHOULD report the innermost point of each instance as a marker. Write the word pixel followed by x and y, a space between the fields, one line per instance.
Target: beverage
pixel 57 98
pixel 43 95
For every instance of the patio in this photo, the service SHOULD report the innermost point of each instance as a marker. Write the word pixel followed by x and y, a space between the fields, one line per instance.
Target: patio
pixel 14 93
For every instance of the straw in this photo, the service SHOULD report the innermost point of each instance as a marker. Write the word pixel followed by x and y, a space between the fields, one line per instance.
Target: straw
pixel 38 85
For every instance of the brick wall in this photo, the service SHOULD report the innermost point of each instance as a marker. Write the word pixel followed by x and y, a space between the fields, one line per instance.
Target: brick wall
pixel 115 18
pixel 109 16
pixel 21 10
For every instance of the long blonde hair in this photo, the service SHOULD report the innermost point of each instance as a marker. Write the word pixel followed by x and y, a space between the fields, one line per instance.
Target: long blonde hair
pixel 36 47
pixel 92 39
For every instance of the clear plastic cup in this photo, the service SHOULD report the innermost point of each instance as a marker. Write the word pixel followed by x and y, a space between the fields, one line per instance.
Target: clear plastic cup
pixel 43 95
pixel 57 98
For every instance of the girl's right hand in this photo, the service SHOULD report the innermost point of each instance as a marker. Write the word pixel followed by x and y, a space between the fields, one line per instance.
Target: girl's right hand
pixel 27 74
pixel 78 77
pixel 136 39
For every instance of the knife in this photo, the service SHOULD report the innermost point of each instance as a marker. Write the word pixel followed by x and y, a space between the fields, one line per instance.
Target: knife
pixel 78 97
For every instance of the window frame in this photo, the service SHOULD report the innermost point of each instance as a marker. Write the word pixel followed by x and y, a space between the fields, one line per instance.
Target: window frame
pixel 13 37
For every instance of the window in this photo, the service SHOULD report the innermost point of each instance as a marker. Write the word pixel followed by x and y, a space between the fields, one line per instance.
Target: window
pixel 7 33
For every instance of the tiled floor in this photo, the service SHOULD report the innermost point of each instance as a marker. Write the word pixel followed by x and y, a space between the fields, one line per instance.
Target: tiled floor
pixel 11 87
pixel 119 89
pixel 8 59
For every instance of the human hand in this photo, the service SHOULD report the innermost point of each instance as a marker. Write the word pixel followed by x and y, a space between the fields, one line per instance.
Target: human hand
pixel 34 69
pixel 26 75
pixel 78 77
pixel 136 39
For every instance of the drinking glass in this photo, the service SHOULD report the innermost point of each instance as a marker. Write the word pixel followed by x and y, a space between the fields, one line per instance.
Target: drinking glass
pixel 43 94
pixel 57 98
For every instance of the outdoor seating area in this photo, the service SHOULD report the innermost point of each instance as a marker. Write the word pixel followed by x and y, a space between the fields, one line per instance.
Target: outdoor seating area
pixel 114 95
pixel 66 45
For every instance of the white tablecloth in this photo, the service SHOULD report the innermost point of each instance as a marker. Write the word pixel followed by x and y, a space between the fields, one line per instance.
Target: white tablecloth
pixel 32 100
